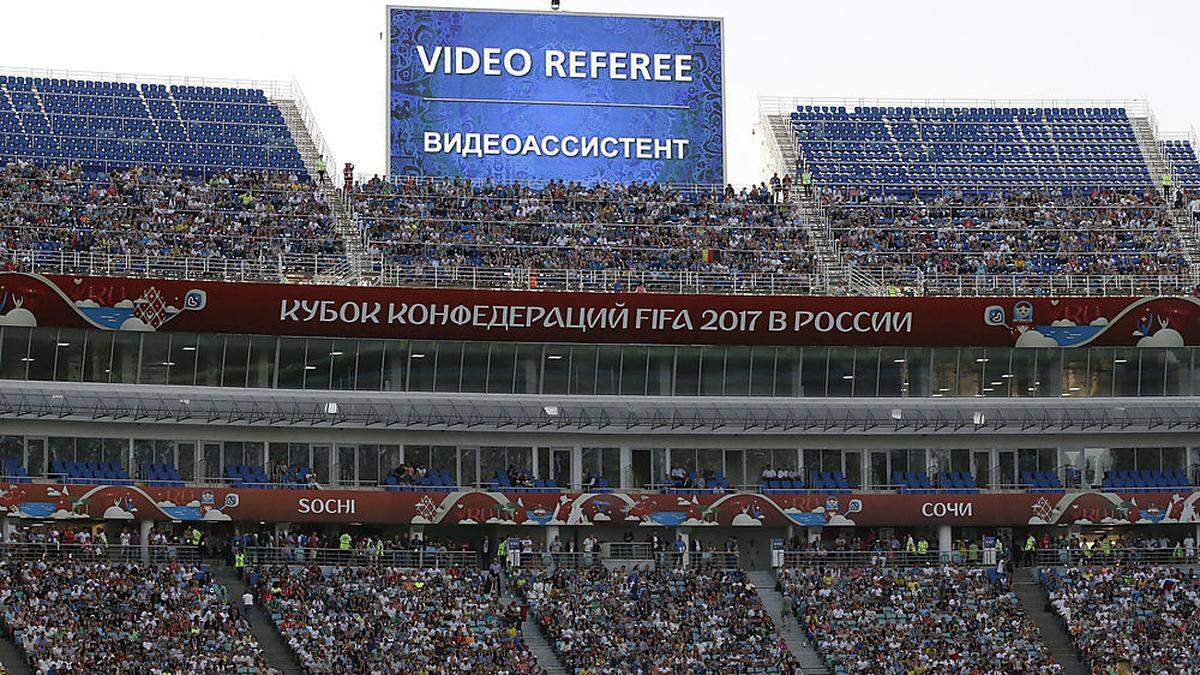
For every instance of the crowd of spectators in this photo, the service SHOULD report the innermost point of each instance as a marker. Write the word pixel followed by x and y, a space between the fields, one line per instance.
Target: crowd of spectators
pixel 392 620
pixel 636 226
pixel 702 620
pixel 149 211
pixel 1146 617
pixel 938 619
pixel 1026 231
pixel 125 618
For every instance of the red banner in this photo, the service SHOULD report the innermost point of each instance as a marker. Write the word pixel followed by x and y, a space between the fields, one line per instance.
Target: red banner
pixel 470 508
pixel 421 313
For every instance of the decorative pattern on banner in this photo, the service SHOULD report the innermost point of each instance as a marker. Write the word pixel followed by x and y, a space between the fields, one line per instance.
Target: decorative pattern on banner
pixel 107 303
pixel 476 507
pixel 544 96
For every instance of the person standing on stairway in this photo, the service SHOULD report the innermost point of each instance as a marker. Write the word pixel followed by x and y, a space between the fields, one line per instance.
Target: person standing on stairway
pixel 787 610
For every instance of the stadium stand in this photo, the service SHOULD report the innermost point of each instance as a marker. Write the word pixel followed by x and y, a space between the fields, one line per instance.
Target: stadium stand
pixel 934 619
pixel 567 226
pixel 1039 232
pixel 1145 617
pixel 119 617
pixel 1184 166
pixel 373 619
pixel 663 620
pixel 103 125
pixel 910 146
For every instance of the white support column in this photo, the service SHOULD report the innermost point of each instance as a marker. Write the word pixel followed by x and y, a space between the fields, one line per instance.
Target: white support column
pixel 9 527
pixel 626 468
pixel 282 529
pixel 144 540
pixel 576 468
pixel 552 533
pixel 945 540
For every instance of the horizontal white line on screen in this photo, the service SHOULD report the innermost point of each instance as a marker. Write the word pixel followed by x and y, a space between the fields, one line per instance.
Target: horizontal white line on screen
pixel 586 104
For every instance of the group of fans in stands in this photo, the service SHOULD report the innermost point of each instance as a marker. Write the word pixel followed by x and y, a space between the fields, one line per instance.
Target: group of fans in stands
pixel 636 226
pixel 255 215
pixel 156 211
pixel 1143 616
pixel 937 619
pixel 107 617
pixel 705 620
pixel 1024 231
pixel 389 620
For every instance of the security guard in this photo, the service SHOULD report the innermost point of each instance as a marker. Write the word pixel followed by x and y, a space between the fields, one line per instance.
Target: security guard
pixel 1030 546
pixel 806 182
pixel 239 562
pixel 1167 183
pixel 922 547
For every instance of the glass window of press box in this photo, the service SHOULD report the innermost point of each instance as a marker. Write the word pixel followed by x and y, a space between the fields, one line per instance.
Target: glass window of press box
pixel 371 464
pixel 70 355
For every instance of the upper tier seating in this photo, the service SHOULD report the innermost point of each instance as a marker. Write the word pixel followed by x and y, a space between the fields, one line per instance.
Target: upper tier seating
pixel 1184 167
pixel 965 146
pixel 1144 480
pixel 106 125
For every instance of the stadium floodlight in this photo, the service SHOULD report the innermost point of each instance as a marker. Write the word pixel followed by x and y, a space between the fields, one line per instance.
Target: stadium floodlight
pixel 550 410
pixel 897 414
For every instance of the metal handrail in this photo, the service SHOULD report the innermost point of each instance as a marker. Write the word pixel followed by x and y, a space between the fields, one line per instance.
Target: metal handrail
pixel 111 552
pixel 984 558
pixel 271 88
pixel 1134 107
pixel 418 558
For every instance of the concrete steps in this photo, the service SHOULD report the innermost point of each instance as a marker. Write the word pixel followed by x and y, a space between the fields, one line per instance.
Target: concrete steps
pixel 797 642
pixel 12 657
pixel 278 655
pixel 357 267
pixel 545 654
pixel 1037 607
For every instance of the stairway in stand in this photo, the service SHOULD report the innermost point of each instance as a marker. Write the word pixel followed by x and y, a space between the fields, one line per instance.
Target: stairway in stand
pixel 278 655
pixel 12 658
pixel 797 642
pixel 1036 603
pixel 536 642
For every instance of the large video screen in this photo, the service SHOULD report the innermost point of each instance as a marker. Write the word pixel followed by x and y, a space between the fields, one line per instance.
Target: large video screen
pixel 538 96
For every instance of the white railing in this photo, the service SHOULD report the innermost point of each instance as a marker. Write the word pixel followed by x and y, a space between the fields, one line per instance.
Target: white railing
pixel 282 267
pixel 738 283
pixel 271 88
pixel 414 558
pixel 1134 107
pixel 1042 285
pixel 327 268
pixel 110 552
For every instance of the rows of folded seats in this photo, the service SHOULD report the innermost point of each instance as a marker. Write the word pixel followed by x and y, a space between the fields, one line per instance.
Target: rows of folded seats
pixel 1145 480
pixel 84 473
pixel 1041 481
pixel 912 482
pixel 241 475
pixel 14 471
pixel 161 474
pixel 436 480
pixel 957 482
pixel 502 482
pixel 819 481
pixel 715 484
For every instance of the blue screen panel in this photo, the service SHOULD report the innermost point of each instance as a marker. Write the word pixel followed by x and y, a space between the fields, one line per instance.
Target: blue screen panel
pixel 540 96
